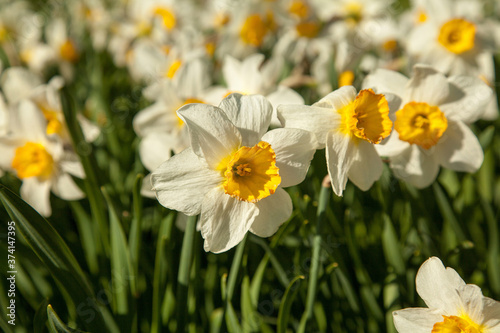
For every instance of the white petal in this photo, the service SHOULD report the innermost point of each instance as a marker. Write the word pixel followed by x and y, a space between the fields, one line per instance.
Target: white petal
pixel 155 148
pixel 436 289
pixel 386 81
pixel 147 188
pixel 294 150
pixel 158 117
pixel 64 187
pixel 338 99
pixel 250 114
pixel 366 167
pixel 213 136
pixel 491 111
pixel 416 166
pixel 273 212
pixel 317 120
pixel 468 98
pixel 73 166
pixel 8 148
pixel 182 181
pixel 426 85
pixel 225 220
pixel 339 158
pixel 37 194
pixel 416 320
pixel 472 302
pixel 459 149
pixel 283 95
pixel 90 130
pixel 30 122
pixel 391 146
pixel 491 313
pixel 18 83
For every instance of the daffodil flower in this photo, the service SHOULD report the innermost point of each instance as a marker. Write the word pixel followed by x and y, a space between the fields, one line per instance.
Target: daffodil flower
pixel 348 125
pixel 430 126
pixel 39 161
pixel 453 306
pixel 235 171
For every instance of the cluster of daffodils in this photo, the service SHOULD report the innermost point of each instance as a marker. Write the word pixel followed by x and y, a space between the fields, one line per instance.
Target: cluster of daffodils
pixel 400 85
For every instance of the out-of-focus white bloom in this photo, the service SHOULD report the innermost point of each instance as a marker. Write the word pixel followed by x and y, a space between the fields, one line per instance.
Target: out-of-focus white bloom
pixel 160 129
pixel 254 76
pixel 40 162
pixel 158 21
pixel 430 127
pixel 19 84
pixel 455 39
pixel 453 306
pixel 348 124
pixel 234 172
pixel 250 29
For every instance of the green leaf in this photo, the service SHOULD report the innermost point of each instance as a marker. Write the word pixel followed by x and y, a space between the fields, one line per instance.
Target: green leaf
pixel 183 274
pixel 250 316
pixel 233 325
pixel 286 303
pixel 159 274
pixel 122 275
pixel 41 317
pixel 57 257
pixel 392 249
pixel 136 228
pixel 56 325
pixel 92 173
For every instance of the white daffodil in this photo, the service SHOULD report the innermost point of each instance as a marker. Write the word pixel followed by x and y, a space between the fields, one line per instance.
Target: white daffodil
pixel 254 76
pixel 453 306
pixel 19 84
pixel 430 127
pixel 234 172
pixel 348 125
pixel 40 162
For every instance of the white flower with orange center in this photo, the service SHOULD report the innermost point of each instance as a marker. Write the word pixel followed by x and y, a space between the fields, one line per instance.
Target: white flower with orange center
pixel 235 171
pixel 39 161
pixel 430 125
pixel 348 124
pixel 452 38
pixel 453 306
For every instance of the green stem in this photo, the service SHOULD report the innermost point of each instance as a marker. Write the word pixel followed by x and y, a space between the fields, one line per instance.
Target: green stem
pixel 235 267
pixel 92 181
pixel 183 275
pixel 324 198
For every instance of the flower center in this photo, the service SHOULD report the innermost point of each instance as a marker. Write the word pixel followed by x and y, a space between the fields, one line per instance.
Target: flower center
pixel 32 160
pixel 390 45
pixel 354 12
pixel 308 29
pixel 3 33
pixel 168 17
pixel 367 117
pixel 457 35
pixel 454 324
pixel 68 51
pixel 346 78
pixel 54 125
pixel 255 29
pixel 251 173
pixel 299 9
pixel 172 69
pixel 421 124
pixel 421 16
